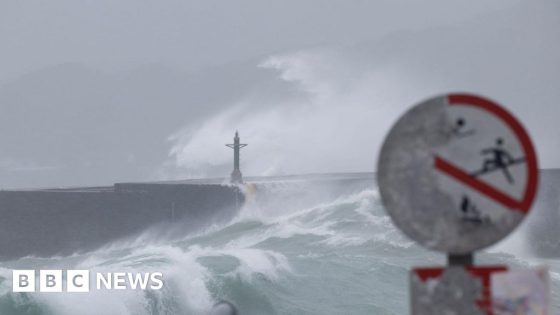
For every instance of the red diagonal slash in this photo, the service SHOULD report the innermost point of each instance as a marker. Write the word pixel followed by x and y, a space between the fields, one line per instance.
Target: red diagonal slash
pixel 476 184
pixel 491 192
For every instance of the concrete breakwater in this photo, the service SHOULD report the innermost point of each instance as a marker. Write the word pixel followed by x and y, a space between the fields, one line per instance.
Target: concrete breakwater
pixel 51 222
pixel 63 221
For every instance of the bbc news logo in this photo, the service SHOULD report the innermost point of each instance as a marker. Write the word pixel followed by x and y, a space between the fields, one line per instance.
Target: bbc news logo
pixel 79 281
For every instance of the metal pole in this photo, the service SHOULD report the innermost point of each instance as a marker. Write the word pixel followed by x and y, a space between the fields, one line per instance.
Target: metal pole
pixel 460 259
pixel 236 176
pixel 236 151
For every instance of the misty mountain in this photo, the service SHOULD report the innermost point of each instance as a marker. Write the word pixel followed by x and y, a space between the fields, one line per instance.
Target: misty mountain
pixel 73 125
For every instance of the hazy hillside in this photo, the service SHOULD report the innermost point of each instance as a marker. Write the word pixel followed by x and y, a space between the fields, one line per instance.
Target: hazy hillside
pixel 72 125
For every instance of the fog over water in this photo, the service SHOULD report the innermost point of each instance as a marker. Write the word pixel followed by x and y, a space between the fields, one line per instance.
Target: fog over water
pixel 93 92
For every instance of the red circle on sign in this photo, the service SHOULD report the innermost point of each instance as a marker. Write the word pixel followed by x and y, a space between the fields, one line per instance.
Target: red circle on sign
pixel 532 169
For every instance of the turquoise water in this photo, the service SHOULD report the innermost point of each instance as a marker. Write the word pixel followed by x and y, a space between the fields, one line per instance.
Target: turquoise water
pixel 338 254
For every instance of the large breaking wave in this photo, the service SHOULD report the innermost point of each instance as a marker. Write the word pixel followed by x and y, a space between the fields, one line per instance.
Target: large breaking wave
pixel 332 254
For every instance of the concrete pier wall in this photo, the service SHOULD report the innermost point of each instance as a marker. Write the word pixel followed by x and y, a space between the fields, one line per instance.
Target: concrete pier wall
pixel 63 221
pixel 59 221
pixel 542 232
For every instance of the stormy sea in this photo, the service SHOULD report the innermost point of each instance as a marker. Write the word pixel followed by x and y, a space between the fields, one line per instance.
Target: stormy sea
pixel 292 249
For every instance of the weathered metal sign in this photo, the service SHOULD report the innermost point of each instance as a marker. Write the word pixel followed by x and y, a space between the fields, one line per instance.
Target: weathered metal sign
pixel 457 173
pixel 489 290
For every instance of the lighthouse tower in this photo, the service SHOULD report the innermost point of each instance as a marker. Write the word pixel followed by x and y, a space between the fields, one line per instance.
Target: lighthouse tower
pixel 236 177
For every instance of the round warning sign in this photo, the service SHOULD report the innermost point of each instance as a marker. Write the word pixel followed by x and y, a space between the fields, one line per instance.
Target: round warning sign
pixel 457 173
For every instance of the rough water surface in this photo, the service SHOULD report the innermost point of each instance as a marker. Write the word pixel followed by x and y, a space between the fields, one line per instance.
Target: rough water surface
pixel 335 254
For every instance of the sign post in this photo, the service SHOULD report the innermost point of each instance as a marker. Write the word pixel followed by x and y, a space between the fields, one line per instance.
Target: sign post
pixel 457 173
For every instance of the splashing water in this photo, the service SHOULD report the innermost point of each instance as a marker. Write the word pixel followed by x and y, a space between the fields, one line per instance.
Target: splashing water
pixel 339 254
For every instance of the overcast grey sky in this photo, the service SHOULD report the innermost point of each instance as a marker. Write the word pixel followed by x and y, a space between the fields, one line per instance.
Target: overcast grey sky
pixel 97 91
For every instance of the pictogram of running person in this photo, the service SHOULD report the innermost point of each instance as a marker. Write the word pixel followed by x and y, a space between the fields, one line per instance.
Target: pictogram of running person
pixel 498 159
